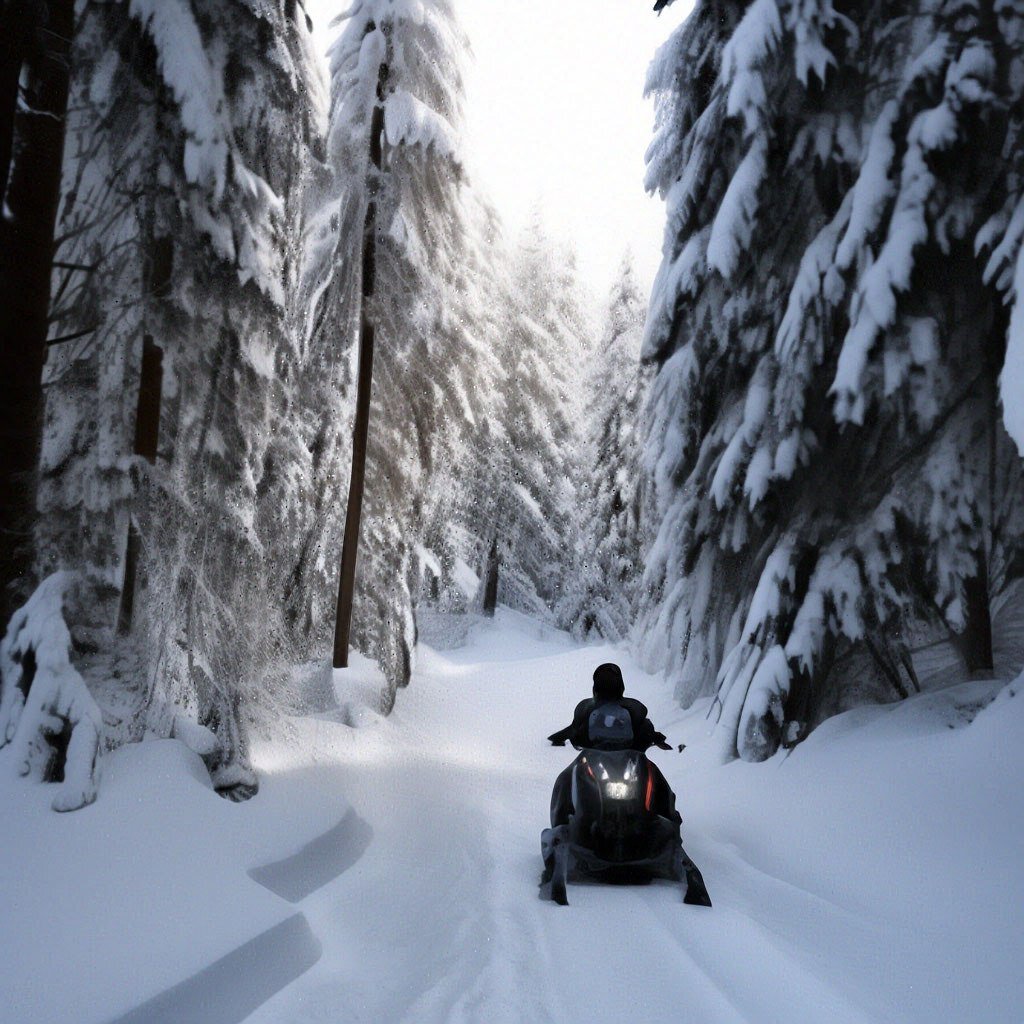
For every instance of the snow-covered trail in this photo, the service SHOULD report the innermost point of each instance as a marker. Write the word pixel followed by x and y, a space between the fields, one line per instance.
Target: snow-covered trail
pixel 440 920
pixel 389 872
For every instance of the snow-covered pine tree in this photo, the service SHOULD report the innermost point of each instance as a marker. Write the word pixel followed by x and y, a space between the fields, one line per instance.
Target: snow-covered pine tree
pixel 536 453
pixel 405 60
pixel 1003 237
pixel 167 481
pixel 834 481
pixel 608 557
pixel 460 505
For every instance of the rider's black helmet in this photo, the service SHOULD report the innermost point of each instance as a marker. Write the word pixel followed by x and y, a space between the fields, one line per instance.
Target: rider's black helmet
pixel 608 684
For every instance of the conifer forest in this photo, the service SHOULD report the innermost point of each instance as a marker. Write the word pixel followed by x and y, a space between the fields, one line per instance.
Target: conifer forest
pixel 355 426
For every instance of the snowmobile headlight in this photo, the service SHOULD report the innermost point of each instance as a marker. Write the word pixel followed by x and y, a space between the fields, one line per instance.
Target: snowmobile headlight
pixel 618 790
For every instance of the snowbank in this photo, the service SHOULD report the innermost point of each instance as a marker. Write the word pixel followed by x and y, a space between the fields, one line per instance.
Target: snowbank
pixel 887 848
pixel 109 907
pixel 872 875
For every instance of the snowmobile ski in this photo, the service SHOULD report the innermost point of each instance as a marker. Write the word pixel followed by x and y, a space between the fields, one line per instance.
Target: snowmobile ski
pixel 696 890
pixel 555 850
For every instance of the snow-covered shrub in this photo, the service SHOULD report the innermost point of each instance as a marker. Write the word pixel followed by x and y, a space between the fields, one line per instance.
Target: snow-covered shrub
pixel 46 710
pixel 835 485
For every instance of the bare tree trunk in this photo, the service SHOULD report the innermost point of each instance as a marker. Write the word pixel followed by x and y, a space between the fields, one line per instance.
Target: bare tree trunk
pixel 147 435
pixel 491 580
pixel 360 430
pixel 18 22
pixel 975 641
pixel 156 284
pixel 26 257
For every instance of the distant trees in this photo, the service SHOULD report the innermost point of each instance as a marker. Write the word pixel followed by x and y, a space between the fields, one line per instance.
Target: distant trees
pixel 536 455
pixel 458 563
pixel 502 514
pixel 608 558
pixel 830 324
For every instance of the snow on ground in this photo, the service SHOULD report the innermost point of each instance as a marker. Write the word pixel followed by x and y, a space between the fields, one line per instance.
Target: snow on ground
pixel 103 908
pixel 871 875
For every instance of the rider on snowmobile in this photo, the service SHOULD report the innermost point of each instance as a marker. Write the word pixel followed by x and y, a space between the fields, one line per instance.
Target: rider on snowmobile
pixel 609 689
pixel 588 729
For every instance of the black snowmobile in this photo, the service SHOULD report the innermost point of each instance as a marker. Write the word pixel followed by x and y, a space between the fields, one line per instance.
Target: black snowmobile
pixel 616 830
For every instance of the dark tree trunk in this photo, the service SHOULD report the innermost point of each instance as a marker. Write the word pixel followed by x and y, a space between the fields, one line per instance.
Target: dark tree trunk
pixel 156 283
pixel 364 385
pixel 18 24
pixel 147 418
pixel 147 436
pixel 976 640
pixel 491 580
pixel 26 257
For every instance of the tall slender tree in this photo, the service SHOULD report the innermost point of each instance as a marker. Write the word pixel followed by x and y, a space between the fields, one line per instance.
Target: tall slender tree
pixel 607 558
pixel 388 257
pixel 364 381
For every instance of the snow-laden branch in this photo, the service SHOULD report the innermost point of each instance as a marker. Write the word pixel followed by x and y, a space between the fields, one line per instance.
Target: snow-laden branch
pixel 408 121
pixel 875 305
pixel 212 162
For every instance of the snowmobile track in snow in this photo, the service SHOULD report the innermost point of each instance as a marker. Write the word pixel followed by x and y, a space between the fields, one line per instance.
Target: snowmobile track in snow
pixel 433 918
pixel 318 862
pixel 232 987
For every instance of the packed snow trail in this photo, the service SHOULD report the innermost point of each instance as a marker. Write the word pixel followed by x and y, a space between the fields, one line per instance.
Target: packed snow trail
pixel 388 870
pixel 440 920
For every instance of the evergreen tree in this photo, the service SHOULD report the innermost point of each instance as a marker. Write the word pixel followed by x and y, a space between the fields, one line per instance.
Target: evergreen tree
pixel 406 227
pixel 834 481
pixel 461 505
pixel 166 479
pixel 536 450
pixel 606 571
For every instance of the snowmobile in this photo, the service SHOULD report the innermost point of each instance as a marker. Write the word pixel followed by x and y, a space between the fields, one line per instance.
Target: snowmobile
pixel 615 832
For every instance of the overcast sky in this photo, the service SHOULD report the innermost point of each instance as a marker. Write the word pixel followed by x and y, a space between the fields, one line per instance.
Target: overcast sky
pixel 557 117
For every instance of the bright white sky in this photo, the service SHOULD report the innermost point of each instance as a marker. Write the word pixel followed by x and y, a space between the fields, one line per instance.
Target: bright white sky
pixel 557 118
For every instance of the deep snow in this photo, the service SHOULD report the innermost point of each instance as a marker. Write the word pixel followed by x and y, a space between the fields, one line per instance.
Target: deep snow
pixel 871 875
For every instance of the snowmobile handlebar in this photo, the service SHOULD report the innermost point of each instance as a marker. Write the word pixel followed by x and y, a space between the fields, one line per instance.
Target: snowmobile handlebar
pixel 660 741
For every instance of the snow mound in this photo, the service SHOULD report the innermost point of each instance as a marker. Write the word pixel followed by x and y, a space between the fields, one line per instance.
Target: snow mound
pixel 147 888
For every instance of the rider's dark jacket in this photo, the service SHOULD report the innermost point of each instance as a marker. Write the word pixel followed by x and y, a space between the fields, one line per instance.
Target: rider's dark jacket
pixel 644 733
